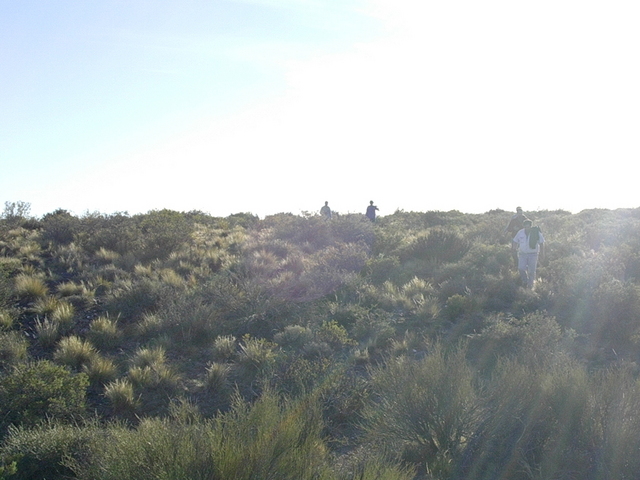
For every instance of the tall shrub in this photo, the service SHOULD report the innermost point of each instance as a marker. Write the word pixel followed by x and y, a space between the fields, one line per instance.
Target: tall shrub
pixel 424 410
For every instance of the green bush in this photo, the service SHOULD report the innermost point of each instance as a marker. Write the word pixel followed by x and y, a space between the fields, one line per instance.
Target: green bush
pixel 13 349
pixel 437 246
pixel 294 337
pixel 533 425
pixel 423 410
pixel 39 390
pixel 42 452
pixel 260 441
pixel 59 227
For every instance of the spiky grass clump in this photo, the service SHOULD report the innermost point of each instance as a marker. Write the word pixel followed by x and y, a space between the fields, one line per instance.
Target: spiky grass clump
pixel 224 348
pixel 100 370
pixel 45 306
pixel 6 319
pixel 121 396
pixel 67 289
pixel 74 352
pixel 150 370
pixel 149 356
pixel 150 326
pixel 154 376
pixel 216 377
pixel 104 333
pixel 48 332
pixel 30 287
pixel 257 357
pixel 106 256
pixel 63 314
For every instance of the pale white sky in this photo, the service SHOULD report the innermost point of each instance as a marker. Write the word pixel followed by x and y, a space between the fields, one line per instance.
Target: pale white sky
pixel 270 106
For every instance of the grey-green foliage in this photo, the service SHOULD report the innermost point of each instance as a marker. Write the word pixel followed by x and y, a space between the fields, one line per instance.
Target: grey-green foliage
pixel 423 409
pixel 269 439
pixel 42 451
pixel 34 391
pixel 555 421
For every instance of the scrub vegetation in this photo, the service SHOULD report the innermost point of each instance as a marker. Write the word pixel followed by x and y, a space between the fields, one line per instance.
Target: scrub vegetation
pixel 178 345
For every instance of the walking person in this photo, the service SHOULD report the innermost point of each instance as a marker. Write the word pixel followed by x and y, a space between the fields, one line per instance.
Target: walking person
pixel 516 222
pixel 371 211
pixel 529 243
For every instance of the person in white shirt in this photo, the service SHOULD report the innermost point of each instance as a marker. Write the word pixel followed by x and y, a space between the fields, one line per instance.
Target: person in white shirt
pixel 529 242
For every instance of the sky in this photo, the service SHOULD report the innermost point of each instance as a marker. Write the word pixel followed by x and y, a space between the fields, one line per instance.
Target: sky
pixel 269 106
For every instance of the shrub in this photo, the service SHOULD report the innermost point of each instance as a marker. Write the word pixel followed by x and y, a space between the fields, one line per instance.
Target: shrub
pixel 42 452
pixel 267 439
pixel 41 389
pixel 13 349
pixel 59 227
pixel 294 337
pixel 424 410
pixel 437 246
pixel 613 423
pixel 534 339
pixel 333 334
pixel 533 425
pixel 163 231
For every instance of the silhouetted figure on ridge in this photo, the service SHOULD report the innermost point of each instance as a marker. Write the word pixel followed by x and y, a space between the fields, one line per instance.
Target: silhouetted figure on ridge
pixel 371 211
pixel 325 211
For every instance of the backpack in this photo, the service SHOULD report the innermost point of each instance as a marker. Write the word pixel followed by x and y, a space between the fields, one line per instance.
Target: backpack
pixel 534 237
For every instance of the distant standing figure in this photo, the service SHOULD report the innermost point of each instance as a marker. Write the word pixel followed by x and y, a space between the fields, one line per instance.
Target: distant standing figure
pixel 530 245
pixel 326 211
pixel 371 211
pixel 516 222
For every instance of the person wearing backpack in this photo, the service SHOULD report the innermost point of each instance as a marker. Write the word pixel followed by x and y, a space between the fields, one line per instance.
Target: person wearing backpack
pixel 529 243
